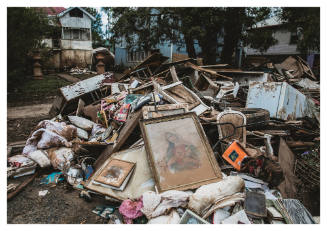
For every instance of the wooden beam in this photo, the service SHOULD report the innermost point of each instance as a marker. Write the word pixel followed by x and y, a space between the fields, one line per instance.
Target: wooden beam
pixel 174 74
pixel 211 72
pixel 21 186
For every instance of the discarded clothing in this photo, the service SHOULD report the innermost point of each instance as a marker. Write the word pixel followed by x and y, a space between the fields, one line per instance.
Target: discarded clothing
pixel 131 210
pixel 159 204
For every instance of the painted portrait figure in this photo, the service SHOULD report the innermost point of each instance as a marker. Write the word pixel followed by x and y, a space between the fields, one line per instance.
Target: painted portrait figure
pixel 180 154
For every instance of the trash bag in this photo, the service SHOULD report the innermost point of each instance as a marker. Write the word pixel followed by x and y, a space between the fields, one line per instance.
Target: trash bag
pixel 40 157
pixel 60 157
pixel 81 122
pixel 49 134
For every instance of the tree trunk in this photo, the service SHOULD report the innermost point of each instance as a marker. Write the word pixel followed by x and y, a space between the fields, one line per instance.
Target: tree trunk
pixel 232 32
pixel 209 47
pixel 189 41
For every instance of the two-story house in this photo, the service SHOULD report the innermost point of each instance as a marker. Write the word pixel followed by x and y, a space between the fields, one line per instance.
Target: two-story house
pixel 72 46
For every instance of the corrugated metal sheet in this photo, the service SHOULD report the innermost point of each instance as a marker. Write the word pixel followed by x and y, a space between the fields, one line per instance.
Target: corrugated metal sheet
pixel 280 99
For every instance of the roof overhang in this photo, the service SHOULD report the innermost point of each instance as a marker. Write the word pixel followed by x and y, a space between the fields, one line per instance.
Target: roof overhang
pixel 70 8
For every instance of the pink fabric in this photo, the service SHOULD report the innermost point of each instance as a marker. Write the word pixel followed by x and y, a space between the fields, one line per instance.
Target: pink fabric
pixel 131 210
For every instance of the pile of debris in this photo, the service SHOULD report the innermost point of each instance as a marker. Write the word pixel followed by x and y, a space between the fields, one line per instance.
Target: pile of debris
pixel 80 71
pixel 182 143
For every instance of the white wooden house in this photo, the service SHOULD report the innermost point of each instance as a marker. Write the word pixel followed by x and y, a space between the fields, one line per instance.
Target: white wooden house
pixel 286 40
pixel 73 46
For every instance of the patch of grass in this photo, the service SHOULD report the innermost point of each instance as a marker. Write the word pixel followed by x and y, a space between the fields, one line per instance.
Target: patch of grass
pixel 31 89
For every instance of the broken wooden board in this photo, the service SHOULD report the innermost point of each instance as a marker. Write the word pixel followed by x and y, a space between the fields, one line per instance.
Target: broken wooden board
pixel 89 90
pixel 21 186
pixel 163 110
pixel 155 60
pixel 211 72
pixel 177 97
pixel 286 160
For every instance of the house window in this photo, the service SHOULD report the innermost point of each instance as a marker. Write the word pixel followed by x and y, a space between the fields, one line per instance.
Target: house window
pixel 82 34
pixel 77 13
pixel 136 56
pixel 76 34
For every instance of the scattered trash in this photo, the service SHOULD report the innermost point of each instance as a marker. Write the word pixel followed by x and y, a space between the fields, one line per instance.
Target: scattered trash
pixel 191 218
pixel 104 211
pixel 43 193
pixel 178 143
pixel 52 178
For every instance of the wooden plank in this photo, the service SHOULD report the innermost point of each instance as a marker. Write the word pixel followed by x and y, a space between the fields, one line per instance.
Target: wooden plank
pixel 214 66
pixel 21 186
pixel 155 58
pixel 211 72
pixel 174 74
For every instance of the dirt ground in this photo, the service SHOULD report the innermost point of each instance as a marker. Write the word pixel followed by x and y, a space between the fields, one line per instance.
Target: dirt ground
pixel 61 205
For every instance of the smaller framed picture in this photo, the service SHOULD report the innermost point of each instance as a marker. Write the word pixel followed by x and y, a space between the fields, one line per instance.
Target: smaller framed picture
pixel 191 218
pixel 115 173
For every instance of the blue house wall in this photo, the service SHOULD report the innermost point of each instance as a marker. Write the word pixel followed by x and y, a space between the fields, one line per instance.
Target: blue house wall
pixel 121 53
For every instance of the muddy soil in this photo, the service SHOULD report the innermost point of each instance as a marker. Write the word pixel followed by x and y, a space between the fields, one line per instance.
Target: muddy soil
pixel 61 205
pixel 20 129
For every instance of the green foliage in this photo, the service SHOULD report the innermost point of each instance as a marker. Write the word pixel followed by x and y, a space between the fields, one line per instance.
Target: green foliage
pixel 144 28
pixel 261 39
pixel 25 29
pixel 307 18
pixel 96 28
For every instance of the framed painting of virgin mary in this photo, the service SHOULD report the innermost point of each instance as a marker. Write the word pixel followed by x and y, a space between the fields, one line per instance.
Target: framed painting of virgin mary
pixel 179 154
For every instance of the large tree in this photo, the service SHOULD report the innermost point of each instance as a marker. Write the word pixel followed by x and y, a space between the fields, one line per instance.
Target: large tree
pixel 146 27
pixel 25 29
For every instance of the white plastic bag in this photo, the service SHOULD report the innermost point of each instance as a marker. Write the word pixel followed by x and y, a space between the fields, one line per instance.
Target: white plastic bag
pixel 81 122
pixel 82 134
pixel 40 157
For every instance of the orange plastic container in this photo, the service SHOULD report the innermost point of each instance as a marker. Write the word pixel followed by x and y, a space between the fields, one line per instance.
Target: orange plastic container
pixel 234 155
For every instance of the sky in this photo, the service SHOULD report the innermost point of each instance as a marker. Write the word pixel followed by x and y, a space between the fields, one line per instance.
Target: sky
pixel 103 17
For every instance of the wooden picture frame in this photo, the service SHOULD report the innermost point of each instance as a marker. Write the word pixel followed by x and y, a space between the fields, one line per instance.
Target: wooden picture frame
pixel 178 151
pixel 140 181
pixel 150 112
pixel 115 172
